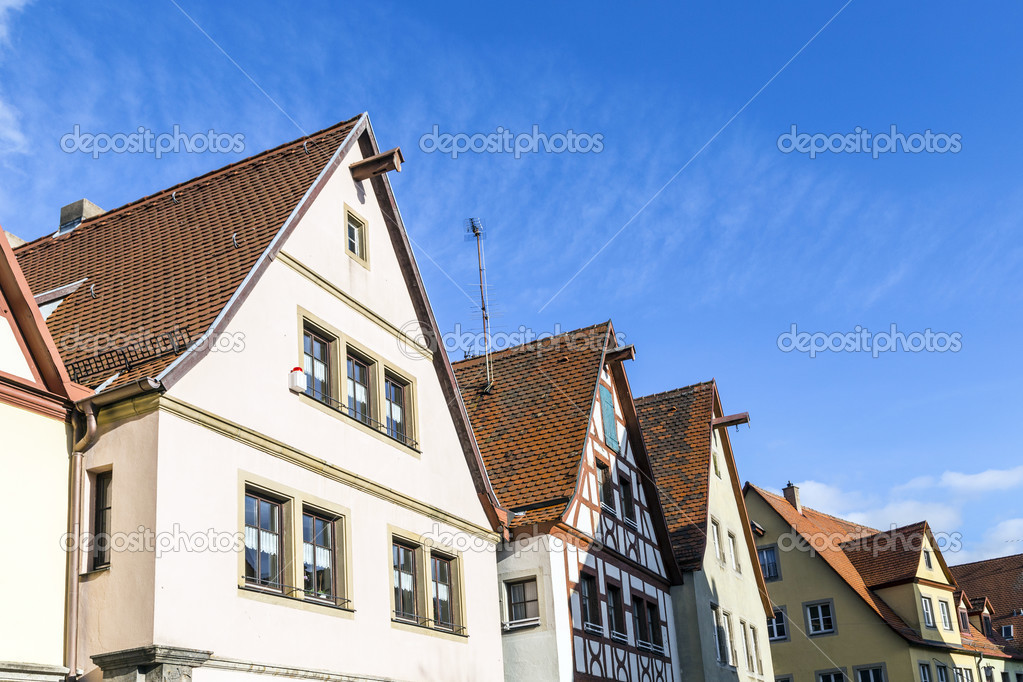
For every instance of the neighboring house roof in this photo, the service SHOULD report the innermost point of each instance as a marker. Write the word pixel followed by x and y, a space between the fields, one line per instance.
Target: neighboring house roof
pixel 677 427
pixel 179 263
pixel 531 425
pixel 677 430
pixel 1001 581
pixel 171 261
pixel 900 559
pixel 48 389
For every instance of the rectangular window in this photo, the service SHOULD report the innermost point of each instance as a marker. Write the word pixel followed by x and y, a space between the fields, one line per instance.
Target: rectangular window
pixel 925 672
pixel 733 554
pixel 405 582
pixel 747 654
pixel 928 611
pixel 927 559
pixel 523 603
pixel 986 622
pixel 264 548
pixel 755 641
pixel 832 677
pixel 101 520
pixel 607 413
pixel 607 495
pixel 316 365
pixel 964 620
pixel 443 595
pixel 946 615
pixel 777 628
pixel 358 390
pixel 589 600
pixel 639 624
pixel 870 675
pixel 715 531
pixel 769 562
pixel 615 609
pixel 1005 677
pixel 719 636
pixel 1008 631
pixel 318 556
pixel 942 673
pixel 653 620
pixel 726 627
pixel 356 237
pixel 819 619
pixel 395 420
pixel 628 501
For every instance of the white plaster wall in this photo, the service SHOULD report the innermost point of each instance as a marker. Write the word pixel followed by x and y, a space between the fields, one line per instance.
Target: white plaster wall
pixel 532 654
pixel 33 486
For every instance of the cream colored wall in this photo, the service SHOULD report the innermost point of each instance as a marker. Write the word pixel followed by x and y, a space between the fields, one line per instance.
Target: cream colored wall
pixel 199 604
pixel 116 603
pixel 719 583
pixel 33 485
pixel 12 357
pixel 532 654
pixel 862 638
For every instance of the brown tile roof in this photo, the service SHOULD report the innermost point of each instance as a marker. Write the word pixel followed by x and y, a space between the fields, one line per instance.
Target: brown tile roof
pixel 531 426
pixel 1001 580
pixel 899 560
pixel 171 260
pixel 676 429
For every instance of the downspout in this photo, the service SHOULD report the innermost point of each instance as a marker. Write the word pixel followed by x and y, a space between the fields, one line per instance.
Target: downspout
pixel 88 407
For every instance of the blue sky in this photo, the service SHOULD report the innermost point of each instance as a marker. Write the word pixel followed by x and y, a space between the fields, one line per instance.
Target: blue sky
pixel 744 242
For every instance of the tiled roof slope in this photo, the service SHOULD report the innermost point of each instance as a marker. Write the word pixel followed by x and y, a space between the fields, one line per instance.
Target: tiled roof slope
pixel 676 428
pixel 1001 580
pixel 899 561
pixel 531 426
pixel 826 533
pixel 172 260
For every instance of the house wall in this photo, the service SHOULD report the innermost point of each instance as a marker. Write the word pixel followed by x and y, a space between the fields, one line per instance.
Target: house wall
pixel 733 591
pixel 34 487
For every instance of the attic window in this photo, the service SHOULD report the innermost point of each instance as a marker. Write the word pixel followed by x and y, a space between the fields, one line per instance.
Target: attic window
pixel 355 236
pixel 607 413
pixel 1007 631
pixel 927 559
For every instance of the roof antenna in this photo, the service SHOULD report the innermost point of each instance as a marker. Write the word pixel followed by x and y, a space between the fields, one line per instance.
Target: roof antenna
pixel 174 196
pixel 305 146
pixel 475 229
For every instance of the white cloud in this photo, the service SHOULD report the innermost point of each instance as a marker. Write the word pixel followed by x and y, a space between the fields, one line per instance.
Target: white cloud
pixel 985 481
pixel 12 138
pixel 6 8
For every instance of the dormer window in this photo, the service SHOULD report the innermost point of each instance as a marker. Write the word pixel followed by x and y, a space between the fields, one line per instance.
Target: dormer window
pixel 964 620
pixel 986 621
pixel 927 559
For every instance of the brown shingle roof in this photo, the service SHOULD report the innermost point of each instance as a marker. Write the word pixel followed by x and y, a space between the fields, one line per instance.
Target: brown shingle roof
pixel 676 429
pixel 899 559
pixel 531 426
pixel 172 260
pixel 1001 581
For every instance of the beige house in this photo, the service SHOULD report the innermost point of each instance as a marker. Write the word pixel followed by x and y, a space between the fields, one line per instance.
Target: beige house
pixel 854 603
pixel 721 606
pixel 276 455
pixel 35 405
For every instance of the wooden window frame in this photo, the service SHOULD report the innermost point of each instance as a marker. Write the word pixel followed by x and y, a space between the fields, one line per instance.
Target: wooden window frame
pixel 807 606
pixel 513 622
pixel 397 546
pixel 102 516
pixel 773 549
pixel 435 559
pixel 615 610
pixel 334 551
pixel 609 419
pixel 589 603
pixel 362 256
pixel 354 357
pixel 257 583
pixel 628 499
pixel 605 487
pixel 774 627
pixel 328 340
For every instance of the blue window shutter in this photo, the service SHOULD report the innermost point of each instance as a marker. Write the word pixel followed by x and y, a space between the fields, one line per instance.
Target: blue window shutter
pixel 607 411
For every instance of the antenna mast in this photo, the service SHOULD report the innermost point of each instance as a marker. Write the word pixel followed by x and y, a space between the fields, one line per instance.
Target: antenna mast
pixel 474 226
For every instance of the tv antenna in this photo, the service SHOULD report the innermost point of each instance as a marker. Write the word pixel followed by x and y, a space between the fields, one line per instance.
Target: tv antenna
pixel 474 229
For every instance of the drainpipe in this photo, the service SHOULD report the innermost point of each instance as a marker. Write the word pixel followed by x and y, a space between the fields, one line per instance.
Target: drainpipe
pixel 88 407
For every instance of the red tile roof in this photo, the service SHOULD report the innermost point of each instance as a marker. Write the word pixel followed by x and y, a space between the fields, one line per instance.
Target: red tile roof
pixel 899 560
pixel 676 429
pixel 1001 581
pixel 172 260
pixel 531 425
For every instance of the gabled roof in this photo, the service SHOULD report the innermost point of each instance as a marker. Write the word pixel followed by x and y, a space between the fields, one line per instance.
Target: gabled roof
pixel 677 431
pixel 531 425
pixel 49 389
pixel 170 262
pixel 900 559
pixel 1000 580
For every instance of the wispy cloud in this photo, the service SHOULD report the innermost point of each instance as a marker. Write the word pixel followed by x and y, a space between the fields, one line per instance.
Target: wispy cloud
pixel 12 137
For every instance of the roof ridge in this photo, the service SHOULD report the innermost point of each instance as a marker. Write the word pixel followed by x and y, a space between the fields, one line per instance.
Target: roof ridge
pixel 817 511
pixel 222 170
pixel 984 561
pixel 661 394
pixel 522 346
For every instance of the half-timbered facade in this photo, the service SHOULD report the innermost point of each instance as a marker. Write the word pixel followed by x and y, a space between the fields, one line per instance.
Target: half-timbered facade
pixel 585 581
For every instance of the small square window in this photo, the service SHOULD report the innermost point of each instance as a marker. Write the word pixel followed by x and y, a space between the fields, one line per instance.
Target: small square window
pixel 820 619
pixel 523 603
pixel 942 673
pixel 925 672
pixel 927 559
pixel 837 676
pixel 777 628
pixel 356 237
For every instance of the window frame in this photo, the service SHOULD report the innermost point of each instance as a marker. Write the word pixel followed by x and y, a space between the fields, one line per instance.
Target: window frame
pixel 733 552
pixel 362 257
pixel 946 615
pixel 260 496
pixel 330 342
pixel 773 549
pixel 941 672
pixel 336 526
pixel 654 626
pixel 640 625
pixel 438 558
pixel 605 487
pixel 589 602
pixel 927 559
pixel 628 499
pixel 102 517
pixel 609 419
pixel 808 618
pixel 527 620
pixel 715 528
pixel 616 620
pixel 392 378
pixel 858 671
pixel 924 671
pixel 927 608
pixel 772 625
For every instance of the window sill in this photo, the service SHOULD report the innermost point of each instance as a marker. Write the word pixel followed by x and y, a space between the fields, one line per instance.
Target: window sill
pixel 343 415
pixel 92 573
pixel 413 626
pixel 270 595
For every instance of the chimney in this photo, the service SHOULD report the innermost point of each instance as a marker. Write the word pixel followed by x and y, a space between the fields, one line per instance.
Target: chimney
pixel 791 493
pixel 14 240
pixel 73 214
